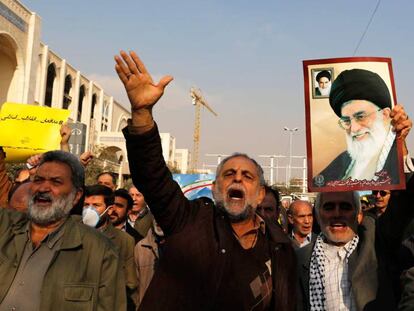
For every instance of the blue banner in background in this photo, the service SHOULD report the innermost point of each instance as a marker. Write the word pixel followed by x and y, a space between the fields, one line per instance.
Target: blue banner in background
pixel 195 185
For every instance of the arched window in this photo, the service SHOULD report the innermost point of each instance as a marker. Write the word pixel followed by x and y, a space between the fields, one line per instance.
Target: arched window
pixel 51 75
pixel 105 117
pixel 67 99
pixel 80 103
pixel 93 106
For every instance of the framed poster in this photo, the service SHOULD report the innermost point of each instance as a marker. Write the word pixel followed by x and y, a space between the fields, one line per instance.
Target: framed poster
pixel 349 137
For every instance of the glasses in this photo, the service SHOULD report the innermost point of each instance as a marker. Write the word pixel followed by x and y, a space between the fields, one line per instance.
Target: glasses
pixel 361 117
pixel 382 193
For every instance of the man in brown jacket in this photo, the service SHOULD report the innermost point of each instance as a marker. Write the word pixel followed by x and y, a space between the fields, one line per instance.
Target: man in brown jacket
pixel 49 261
pixel 217 256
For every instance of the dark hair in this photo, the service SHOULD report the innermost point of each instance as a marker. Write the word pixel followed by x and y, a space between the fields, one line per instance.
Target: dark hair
pixel 243 155
pixel 78 172
pixel 113 176
pixel 125 195
pixel 106 192
pixel 275 193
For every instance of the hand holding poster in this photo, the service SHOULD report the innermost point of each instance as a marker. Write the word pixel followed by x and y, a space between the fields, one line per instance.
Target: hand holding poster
pixel 27 130
pixel 350 141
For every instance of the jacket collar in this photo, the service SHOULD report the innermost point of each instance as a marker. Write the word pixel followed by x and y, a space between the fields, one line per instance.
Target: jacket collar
pixel 72 237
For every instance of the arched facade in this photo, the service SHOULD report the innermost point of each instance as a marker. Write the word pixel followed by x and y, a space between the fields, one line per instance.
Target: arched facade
pixel 32 73
pixel 12 69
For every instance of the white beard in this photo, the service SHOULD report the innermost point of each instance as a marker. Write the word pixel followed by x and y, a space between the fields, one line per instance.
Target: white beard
pixel 325 91
pixel 59 209
pixel 365 153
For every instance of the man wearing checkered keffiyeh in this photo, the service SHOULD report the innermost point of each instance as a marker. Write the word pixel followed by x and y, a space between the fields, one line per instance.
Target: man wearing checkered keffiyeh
pixel 346 268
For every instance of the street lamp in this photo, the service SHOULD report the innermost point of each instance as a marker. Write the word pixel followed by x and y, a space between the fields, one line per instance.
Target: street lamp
pixel 288 174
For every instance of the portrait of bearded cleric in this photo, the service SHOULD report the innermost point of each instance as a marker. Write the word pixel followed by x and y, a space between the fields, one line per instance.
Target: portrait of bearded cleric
pixel 322 82
pixel 360 104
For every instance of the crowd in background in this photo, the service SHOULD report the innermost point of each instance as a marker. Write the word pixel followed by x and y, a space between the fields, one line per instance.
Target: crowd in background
pixel 65 245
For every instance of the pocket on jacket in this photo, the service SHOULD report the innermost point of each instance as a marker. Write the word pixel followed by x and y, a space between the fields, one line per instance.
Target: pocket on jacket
pixel 79 292
pixel 78 297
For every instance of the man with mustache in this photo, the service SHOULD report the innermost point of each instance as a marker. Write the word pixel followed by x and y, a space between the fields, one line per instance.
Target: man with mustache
pixel 351 264
pixel 362 101
pixel 99 200
pixel 220 256
pixel 300 216
pixel 50 261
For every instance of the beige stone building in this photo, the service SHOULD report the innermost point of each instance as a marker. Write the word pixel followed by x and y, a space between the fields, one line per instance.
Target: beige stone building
pixel 31 73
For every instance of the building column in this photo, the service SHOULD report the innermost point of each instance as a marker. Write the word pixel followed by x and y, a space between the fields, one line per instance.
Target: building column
pixel 58 103
pixel 43 75
pixel 31 60
pixel 110 111
pixel 75 98
pixel 86 113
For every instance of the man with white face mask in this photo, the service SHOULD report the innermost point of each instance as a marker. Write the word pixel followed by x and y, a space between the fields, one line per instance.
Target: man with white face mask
pixel 98 200
pixel 362 101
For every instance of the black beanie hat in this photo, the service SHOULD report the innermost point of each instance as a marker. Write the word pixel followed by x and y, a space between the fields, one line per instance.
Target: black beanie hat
pixel 358 84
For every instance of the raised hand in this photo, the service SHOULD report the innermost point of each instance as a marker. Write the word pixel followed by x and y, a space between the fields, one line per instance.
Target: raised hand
pixel 400 121
pixel 85 158
pixel 401 125
pixel 65 132
pixel 142 92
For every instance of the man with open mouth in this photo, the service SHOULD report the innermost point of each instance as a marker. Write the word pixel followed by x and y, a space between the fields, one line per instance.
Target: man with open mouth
pixel 217 256
pixel 350 265
pixel 50 261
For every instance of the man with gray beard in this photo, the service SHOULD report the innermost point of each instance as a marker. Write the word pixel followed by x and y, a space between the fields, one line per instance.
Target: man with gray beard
pixel 362 101
pixel 50 261
pixel 221 256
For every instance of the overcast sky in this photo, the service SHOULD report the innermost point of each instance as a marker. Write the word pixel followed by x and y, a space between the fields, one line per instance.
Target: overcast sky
pixel 246 57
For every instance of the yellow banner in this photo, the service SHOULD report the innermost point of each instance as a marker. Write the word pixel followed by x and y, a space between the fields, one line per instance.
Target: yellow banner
pixel 26 130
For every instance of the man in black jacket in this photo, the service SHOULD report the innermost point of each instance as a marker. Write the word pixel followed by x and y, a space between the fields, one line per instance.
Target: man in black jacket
pixel 216 256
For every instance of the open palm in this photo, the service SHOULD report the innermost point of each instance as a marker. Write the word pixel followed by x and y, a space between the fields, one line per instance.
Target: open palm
pixel 141 90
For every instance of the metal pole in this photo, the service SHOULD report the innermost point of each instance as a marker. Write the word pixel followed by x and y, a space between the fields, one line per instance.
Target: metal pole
pixel 288 170
pixel 271 171
pixel 304 176
pixel 290 158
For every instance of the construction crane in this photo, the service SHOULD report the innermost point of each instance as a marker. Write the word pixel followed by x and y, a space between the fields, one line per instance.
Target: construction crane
pixel 198 101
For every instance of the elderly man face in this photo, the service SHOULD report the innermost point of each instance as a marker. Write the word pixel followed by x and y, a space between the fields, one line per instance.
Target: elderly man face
pixel 324 83
pixel 337 215
pixel 52 193
pixel 237 189
pixel 362 119
pixel 138 198
pixel 301 217
pixel 366 128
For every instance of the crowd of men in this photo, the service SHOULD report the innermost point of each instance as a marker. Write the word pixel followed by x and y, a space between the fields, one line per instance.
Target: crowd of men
pixel 65 245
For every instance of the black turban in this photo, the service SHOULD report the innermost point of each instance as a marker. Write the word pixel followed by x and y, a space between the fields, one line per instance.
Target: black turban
pixel 359 84
pixel 323 73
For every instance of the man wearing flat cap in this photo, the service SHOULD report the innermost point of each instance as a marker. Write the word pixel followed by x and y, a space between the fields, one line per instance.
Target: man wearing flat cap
pixel 324 83
pixel 362 101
